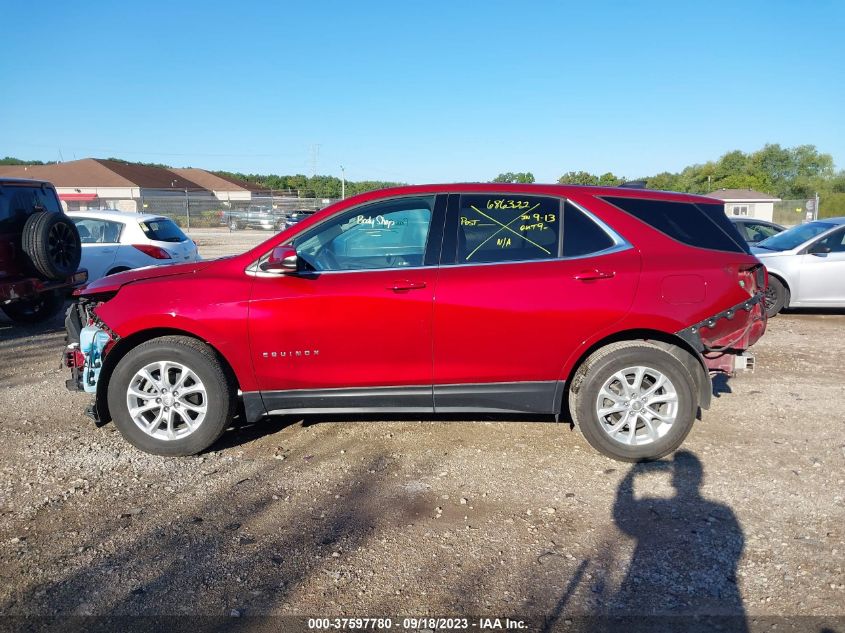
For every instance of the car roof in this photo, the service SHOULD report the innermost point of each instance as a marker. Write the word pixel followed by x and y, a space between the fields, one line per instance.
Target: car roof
pixel 115 216
pixel 24 181
pixel 839 220
pixel 535 189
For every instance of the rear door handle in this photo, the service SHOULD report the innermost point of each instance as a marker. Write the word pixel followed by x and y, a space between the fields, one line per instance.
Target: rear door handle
pixel 592 275
pixel 399 286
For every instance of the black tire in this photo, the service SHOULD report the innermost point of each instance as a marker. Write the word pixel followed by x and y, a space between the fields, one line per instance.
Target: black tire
pixel 200 359
pixel 52 243
pixel 600 367
pixel 777 296
pixel 36 310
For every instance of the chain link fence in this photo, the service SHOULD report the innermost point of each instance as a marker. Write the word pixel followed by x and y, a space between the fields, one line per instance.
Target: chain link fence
pixel 792 212
pixel 202 209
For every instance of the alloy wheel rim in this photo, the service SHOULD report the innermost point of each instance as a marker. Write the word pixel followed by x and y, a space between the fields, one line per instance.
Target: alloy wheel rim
pixel 167 400
pixel 61 245
pixel 637 406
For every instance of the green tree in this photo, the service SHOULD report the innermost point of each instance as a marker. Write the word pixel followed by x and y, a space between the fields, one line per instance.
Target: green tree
pixel 578 178
pixel 521 177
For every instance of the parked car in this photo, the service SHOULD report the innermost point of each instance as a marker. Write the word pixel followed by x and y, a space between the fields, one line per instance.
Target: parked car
pixel 252 217
pixel 115 241
pixel 806 266
pixel 753 230
pixel 294 217
pixel 526 299
pixel 39 251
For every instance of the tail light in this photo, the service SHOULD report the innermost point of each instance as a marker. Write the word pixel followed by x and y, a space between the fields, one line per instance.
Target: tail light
pixel 156 252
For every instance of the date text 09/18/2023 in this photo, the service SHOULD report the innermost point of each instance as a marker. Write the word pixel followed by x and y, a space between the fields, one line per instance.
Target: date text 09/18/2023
pixel 415 624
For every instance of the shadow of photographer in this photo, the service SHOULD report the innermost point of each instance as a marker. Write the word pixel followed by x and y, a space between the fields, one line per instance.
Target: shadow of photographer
pixel 686 552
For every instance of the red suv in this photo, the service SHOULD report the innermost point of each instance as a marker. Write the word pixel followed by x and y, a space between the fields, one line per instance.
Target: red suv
pixel 610 303
pixel 39 251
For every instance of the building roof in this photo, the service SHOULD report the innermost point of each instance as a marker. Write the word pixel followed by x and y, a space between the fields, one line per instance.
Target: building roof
pixel 217 182
pixel 742 194
pixel 98 172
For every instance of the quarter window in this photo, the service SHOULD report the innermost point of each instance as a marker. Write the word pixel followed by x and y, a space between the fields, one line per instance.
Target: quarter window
pixel 582 236
pixel 507 227
pixel 389 234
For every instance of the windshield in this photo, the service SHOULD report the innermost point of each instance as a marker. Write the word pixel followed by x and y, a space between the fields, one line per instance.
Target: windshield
pixel 794 237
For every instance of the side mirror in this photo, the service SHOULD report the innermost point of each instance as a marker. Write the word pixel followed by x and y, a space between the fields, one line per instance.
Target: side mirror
pixel 819 249
pixel 283 260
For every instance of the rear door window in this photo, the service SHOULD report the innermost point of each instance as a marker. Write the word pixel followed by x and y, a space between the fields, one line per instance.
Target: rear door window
pixel 699 225
pixel 93 231
pixel 163 230
pixel 507 228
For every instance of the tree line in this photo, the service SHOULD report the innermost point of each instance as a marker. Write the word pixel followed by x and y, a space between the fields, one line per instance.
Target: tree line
pixel 785 172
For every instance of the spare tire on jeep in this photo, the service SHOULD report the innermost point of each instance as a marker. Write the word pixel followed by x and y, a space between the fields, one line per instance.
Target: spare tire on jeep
pixel 51 242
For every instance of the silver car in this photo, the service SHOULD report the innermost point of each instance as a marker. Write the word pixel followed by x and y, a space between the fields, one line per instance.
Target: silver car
pixel 806 266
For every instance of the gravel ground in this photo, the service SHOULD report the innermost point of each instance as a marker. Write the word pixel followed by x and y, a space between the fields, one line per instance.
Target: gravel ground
pixel 325 517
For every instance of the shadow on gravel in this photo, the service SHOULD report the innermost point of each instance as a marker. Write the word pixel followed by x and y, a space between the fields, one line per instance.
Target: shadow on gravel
pixel 243 432
pixel 11 331
pixel 237 549
pixel 682 574
pixel 721 384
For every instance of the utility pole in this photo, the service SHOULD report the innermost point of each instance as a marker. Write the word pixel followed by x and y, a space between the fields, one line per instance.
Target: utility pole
pixel 342 183
pixel 816 208
pixel 315 151
pixel 187 210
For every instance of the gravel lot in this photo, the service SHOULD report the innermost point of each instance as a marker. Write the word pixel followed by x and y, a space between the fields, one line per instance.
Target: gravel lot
pixel 410 517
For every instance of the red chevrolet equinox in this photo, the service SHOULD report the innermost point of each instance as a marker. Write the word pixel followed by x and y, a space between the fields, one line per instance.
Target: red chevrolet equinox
pixel 607 305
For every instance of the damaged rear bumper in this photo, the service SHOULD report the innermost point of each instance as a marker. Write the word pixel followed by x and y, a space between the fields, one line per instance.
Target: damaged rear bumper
pixel 723 338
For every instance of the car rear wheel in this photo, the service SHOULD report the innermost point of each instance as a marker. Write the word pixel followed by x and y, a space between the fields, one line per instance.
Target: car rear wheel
pixel 171 396
pixel 633 401
pixel 37 309
pixel 777 296
pixel 233 225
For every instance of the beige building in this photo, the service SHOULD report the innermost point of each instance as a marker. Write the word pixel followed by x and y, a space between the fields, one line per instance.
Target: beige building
pixel 94 183
pixel 747 203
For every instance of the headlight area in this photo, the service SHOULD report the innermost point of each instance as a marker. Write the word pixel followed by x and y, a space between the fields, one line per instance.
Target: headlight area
pixel 88 341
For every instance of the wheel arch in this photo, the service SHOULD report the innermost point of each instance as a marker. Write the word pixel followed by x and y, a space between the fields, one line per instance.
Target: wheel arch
pixel 782 279
pixel 691 359
pixel 125 345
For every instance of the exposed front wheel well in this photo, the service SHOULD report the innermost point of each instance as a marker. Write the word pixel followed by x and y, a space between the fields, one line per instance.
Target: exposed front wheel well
pixel 682 350
pixel 125 345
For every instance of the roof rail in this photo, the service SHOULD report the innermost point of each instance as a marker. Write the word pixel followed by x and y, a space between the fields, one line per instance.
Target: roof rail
pixel 634 184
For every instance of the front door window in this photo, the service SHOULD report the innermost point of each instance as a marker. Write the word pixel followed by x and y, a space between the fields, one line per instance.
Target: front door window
pixel 390 234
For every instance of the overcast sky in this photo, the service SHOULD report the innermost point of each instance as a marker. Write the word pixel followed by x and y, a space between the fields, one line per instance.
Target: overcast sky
pixel 421 91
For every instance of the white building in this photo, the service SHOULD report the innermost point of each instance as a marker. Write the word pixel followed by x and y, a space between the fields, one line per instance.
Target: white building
pixel 747 203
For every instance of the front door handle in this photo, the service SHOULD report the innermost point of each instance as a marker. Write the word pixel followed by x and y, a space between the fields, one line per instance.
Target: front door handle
pixel 399 286
pixel 592 275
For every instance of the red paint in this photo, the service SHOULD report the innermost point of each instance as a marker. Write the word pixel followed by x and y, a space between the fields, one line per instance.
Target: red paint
pixel 455 324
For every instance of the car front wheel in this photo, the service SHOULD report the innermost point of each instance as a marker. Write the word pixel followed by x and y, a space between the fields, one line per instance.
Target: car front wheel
pixel 633 401
pixel 171 396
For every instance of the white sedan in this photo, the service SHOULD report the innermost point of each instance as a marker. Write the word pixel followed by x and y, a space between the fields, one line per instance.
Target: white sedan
pixel 114 241
pixel 806 266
